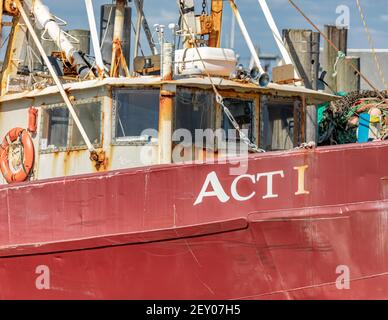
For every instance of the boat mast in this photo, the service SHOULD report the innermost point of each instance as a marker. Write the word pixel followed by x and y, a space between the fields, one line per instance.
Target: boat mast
pixel 190 27
pixel 118 31
pixel 14 51
pixel 216 17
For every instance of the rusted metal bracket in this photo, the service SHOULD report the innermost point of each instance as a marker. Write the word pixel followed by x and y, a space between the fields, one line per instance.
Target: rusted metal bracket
pixel 98 157
pixel 10 8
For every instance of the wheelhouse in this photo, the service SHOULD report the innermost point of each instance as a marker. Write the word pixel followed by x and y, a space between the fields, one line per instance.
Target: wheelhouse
pixel 126 120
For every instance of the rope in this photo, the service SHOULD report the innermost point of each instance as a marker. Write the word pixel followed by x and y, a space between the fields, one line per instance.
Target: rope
pixel 219 99
pixel 306 146
pixel 371 44
pixel 336 48
pixel 340 57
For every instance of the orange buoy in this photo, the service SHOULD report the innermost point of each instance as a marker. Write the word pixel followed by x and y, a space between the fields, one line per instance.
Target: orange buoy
pixel 28 155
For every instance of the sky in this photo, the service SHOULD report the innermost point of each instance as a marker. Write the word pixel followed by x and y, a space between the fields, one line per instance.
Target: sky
pixel 320 11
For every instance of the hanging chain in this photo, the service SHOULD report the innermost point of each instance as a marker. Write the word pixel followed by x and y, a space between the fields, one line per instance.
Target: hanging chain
pixel 204 7
pixel 251 146
pixel 203 13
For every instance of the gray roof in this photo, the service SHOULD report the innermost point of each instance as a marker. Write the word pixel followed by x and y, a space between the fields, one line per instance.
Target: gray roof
pixel 369 68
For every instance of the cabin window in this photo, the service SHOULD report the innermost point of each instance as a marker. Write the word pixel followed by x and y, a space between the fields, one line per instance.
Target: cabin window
pixel 90 117
pixel 194 110
pixel 59 131
pixel 135 112
pixel 280 123
pixel 55 124
pixel 243 112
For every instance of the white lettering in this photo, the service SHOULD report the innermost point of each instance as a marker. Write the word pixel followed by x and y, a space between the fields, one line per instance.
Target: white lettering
pixel 233 188
pixel 270 176
pixel 218 191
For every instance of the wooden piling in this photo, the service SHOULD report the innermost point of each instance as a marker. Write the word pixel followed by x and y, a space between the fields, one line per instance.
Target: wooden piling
pixel 348 80
pixel 339 37
pixel 303 46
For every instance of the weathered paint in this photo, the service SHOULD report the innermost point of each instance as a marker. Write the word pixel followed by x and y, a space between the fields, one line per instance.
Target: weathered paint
pixel 112 235
pixel 312 97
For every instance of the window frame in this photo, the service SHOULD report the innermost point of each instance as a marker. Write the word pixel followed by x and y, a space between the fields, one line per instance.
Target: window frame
pixel 255 98
pixel 298 118
pixel 213 121
pixel 131 140
pixel 71 125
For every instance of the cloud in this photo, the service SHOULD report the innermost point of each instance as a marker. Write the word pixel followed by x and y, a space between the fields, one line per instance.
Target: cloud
pixel 384 17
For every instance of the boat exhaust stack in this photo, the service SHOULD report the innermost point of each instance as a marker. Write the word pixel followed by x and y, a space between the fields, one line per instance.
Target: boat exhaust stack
pixel 118 35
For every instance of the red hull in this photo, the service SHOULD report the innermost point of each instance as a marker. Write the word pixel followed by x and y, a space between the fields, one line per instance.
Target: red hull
pixel 136 234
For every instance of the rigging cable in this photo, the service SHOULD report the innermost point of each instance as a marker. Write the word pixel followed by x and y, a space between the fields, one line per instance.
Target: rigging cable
pixel 371 44
pixel 220 100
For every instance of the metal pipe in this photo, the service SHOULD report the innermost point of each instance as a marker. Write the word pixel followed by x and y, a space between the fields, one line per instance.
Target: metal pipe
pixel 167 62
pixel 94 35
pixel 166 108
pixel 161 41
pixel 47 21
pixel 138 28
pixel 232 32
pixel 190 27
pixel 118 31
pixel 264 77
pixel 276 34
pixel 55 77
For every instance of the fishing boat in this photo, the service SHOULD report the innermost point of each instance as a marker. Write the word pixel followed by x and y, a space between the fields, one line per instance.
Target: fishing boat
pixel 179 175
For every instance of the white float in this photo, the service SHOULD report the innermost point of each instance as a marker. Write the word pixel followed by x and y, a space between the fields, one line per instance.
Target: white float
pixel 218 62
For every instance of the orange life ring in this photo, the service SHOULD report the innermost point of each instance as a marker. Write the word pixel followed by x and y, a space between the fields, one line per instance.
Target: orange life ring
pixel 28 155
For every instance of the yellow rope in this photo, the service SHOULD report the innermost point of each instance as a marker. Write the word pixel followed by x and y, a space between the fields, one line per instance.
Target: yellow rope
pixel 371 44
